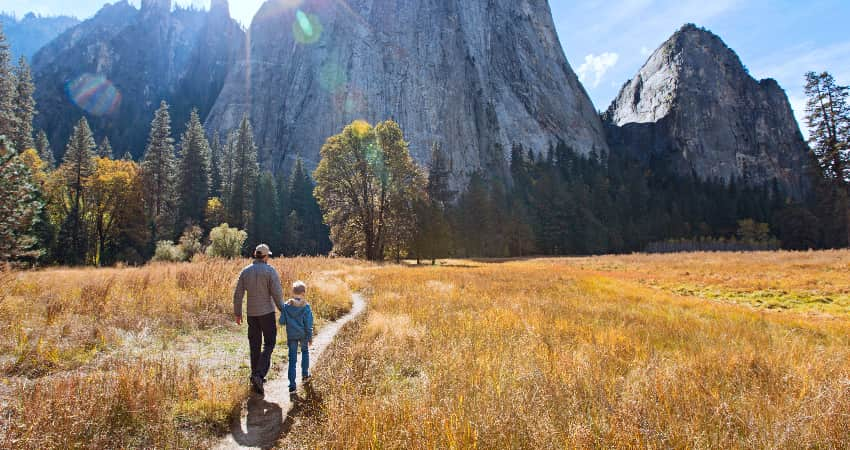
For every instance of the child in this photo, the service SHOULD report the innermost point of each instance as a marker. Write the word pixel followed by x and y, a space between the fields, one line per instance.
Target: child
pixel 298 319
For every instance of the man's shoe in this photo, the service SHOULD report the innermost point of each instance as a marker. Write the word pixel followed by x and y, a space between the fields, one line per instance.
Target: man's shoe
pixel 257 383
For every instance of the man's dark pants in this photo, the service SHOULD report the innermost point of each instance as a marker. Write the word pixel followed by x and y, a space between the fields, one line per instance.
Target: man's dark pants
pixel 262 330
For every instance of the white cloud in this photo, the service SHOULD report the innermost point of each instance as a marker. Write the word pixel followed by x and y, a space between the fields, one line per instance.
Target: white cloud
pixel 645 51
pixel 595 67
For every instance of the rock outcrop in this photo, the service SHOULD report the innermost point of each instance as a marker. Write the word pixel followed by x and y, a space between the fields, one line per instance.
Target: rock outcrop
pixel 30 33
pixel 695 106
pixel 116 68
pixel 474 76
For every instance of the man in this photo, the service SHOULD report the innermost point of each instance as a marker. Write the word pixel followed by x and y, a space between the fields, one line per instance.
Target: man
pixel 262 283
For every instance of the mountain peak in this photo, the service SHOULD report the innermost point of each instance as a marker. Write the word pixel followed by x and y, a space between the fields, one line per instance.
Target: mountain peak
pixel 222 6
pixel 156 5
pixel 695 104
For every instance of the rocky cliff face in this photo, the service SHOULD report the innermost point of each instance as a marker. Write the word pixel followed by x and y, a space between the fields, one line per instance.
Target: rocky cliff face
pixel 31 32
pixel 116 68
pixel 695 106
pixel 474 76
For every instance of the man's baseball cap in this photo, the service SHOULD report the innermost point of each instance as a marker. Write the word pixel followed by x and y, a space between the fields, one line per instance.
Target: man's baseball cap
pixel 263 250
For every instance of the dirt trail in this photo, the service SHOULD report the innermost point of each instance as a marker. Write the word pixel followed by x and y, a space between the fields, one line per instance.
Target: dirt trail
pixel 262 420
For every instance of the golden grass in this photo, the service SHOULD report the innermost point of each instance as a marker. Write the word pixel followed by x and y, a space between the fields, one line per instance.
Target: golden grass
pixel 595 352
pixel 134 357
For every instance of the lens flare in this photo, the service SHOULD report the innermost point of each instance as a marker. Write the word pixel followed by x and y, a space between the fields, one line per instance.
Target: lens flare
pixel 307 28
pixel 94 94
pixel 332 77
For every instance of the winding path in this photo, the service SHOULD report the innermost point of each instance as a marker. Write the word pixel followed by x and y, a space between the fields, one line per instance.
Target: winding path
pixel 262 419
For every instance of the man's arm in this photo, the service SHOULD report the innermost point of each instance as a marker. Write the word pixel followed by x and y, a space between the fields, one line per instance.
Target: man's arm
pixel 276 289
pixel 238 295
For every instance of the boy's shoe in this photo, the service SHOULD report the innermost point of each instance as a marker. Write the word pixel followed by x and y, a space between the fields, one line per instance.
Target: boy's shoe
pixel 307 378
pixel 257 384
pixel 292 390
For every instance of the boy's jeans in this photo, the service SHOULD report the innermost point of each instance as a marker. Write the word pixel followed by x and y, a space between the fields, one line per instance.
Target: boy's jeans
pixel 293 357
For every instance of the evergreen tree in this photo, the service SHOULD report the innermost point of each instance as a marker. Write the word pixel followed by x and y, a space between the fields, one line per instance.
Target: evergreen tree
pixel 77 166
pixel 828 118
pixel 104 150
pixel 24 106
pixel 158 175
pixel 8 90
pixel 194 173
pixel 227 168
pixel 314 235
pixel 215 165
pixel 433 234
pixel 283 210
pixel 263 226
pixel 20 207
pixel 439 177
pixel 245 169
pixel 45 152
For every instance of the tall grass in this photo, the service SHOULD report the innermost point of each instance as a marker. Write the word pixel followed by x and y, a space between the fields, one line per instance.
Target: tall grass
pixel 564 354
pixel 119 357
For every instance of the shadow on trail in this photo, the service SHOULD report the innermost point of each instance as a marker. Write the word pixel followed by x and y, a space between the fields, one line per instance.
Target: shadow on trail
pixel 306 406
pixel 262 425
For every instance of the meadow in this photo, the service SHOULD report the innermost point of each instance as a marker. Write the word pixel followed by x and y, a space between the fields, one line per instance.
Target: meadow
pixel 668 351
pixel 134 357
pixel 610 352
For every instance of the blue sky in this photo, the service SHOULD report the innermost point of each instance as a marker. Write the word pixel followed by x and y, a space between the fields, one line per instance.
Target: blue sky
pixel 607 41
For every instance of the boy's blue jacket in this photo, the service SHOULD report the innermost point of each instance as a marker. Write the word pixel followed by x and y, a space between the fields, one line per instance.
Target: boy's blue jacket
pixel 298 319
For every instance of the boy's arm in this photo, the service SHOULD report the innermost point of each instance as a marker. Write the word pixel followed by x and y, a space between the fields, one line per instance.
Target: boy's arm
pixel 308 326
pixel 282 320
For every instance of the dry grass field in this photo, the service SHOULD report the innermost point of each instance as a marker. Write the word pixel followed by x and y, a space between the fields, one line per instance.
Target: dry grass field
pixel 672 351
pixel 676 351
pixel 134 357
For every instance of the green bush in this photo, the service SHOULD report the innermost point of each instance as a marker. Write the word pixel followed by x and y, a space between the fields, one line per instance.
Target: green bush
pixel 226 242
pixel 167 251
pixel 190 242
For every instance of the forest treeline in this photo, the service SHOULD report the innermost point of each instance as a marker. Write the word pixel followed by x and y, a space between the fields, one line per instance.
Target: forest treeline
pixel 371 200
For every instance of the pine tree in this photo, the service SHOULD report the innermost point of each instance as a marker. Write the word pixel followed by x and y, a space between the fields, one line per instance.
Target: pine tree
pixel 8 90
pixel 24 106
pixel 439 178
pixel 158 175
pixel 104 150
pixel 215 165
pixel 45 152
pixel 283 209
pixel 314 236
pixel 194 173
pixel 20 207
pixel 828 117
pixel 78 164
pixel 263 226
pixel 228 152
pixel 245 169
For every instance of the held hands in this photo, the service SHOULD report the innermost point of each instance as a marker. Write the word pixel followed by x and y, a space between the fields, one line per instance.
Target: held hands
pixel 239 320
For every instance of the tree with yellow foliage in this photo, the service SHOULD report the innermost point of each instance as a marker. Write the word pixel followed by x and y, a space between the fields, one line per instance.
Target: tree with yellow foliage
pixel 114 200
pixel 367 185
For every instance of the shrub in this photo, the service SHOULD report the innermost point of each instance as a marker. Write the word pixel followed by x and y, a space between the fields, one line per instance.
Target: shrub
pixel 226 242
pixel 167 251
pixel 190 242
